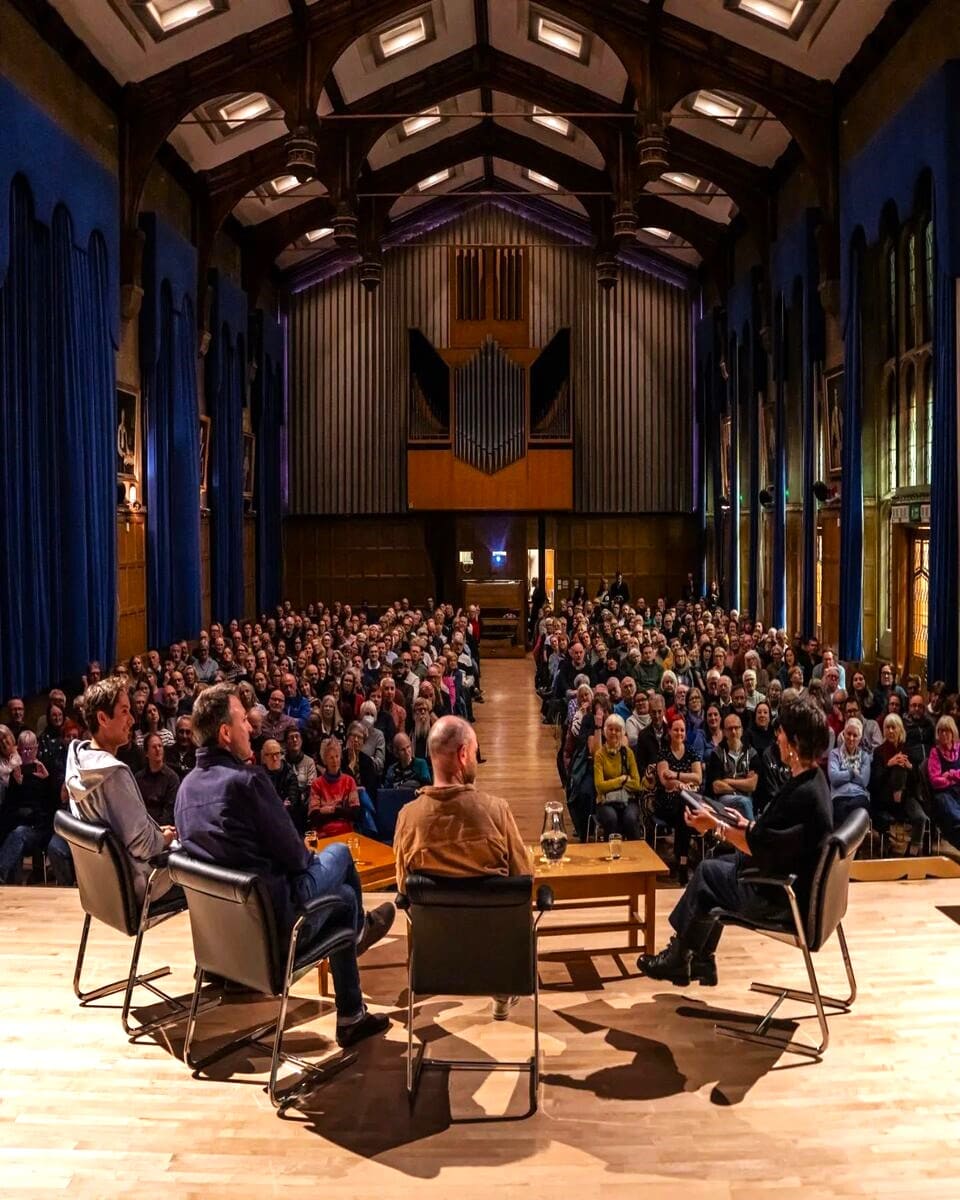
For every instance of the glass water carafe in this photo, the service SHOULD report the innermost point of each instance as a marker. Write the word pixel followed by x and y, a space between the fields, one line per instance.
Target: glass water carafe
pixel 553 838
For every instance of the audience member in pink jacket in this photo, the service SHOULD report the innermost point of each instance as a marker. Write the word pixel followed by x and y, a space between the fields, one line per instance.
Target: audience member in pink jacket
pixel 943 769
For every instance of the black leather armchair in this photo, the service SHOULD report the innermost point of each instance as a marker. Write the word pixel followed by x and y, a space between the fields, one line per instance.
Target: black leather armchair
pixel 235 936
pixel 472 937
pixel 828 905
pixel 106 889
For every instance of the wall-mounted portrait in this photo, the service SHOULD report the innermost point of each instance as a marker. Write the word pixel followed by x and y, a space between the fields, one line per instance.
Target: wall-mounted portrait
pixel 249 463
pixel 128 434
pixel 768 444
pixel 833 420
pixel 204 452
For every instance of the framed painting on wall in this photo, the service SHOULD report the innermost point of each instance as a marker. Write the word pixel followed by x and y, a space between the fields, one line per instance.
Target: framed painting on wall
pixel 725 442
pixel 128 435
pixel 249 461
pixel 833 420
pixel 204 452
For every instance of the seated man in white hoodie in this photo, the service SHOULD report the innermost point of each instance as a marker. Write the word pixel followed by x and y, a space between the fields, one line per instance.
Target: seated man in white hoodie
pixel 102 789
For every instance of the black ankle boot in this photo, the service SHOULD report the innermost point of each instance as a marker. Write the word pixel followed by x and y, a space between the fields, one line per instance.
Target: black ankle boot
pixel 703 968
pixel 671 964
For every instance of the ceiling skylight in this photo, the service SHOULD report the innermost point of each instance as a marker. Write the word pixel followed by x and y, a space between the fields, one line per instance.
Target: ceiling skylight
pixel 720 108
pixel 403 37
pixel 542 180
pixel 680 179
pixel 559 37
pixel 786 15
pixel 422 121
pixel 543 116
pixel 284 183
pixel 163 18
pixel 244 108
pixel 171 14
pixel 317 235
pixel 655 231
pixel 433 180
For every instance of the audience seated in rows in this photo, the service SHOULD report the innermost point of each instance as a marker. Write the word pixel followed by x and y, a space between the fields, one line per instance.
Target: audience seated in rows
pixel 727 679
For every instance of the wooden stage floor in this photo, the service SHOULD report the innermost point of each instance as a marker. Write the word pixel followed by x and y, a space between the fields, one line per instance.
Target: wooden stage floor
pixel 639 1097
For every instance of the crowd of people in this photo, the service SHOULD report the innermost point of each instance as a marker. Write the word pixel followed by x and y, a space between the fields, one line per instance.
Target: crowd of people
pixel 655 700
pixel 339 703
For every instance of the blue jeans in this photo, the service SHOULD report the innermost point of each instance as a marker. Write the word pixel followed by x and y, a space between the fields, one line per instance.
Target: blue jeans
pixel 332 873
pixel 946 808
pixel 19 841
pixel 743 804
pixel 715 884
pixel 61 861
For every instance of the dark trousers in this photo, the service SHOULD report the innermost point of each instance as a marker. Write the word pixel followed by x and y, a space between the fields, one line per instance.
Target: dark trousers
pixel 946 807
pixel 668 807
pixel 715 884
pixel 624 819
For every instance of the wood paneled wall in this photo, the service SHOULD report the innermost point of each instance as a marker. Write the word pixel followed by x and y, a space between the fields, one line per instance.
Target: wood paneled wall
pixel 131 585
pixel 630 377
pixel 830 533
pixel 654 552
pixel 377 560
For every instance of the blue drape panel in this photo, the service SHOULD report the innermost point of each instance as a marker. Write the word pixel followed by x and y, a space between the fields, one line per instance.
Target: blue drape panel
pixel 268 422
pixel 168 362
pixel 778 594
pixel 733 538
pixel 58 467
pixel 748 392
pixel 851 499
pixel 808 533
pixel 173 479
pixel 226 390
pixel 942 647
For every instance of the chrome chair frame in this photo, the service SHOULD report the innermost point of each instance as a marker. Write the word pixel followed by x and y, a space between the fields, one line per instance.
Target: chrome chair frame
pixel 848 837
pixel 314 1074
pixel 100 839
pixel 417 1063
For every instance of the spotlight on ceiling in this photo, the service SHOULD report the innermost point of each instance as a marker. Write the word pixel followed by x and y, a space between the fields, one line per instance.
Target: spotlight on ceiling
pixel 371 271
pixel 766 498
pixel 625 221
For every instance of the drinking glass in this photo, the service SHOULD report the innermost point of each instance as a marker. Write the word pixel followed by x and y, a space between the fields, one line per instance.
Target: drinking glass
pixel 353 845
pixel 615 842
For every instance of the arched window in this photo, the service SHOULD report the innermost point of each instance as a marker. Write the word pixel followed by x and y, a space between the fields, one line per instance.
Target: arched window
pixel 928 396
pixel 892 430
pixel 912 466
pixel 929 269
pixel 891 298
pixel 913 289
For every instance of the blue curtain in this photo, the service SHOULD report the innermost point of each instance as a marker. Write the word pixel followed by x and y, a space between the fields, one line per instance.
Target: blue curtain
pixel 268 423
pixel 748 392
pixel 808 599
pixel 226 390
pixel 168 361
pixel 173 479
pixel 778 615
pixel 58 467
pixel 851 499
pixel 942 647
pixel 733 538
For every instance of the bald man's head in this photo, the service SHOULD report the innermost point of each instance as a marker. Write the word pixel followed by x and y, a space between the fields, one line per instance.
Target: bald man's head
pixel 452 749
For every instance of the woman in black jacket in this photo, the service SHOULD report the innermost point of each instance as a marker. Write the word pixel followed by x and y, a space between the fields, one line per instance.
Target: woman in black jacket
pixel 785 839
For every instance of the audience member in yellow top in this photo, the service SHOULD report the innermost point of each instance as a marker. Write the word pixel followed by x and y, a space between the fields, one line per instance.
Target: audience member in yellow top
pixel 617 781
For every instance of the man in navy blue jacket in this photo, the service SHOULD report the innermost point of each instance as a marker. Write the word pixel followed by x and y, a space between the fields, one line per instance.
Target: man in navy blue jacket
pixel 229 814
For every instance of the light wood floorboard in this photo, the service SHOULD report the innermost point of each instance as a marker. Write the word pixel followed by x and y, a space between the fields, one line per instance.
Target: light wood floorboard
pixel 639 1097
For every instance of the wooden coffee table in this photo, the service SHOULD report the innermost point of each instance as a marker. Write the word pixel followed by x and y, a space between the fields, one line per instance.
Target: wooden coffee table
pixel 375 863
pixel 591 879
pixel 377 869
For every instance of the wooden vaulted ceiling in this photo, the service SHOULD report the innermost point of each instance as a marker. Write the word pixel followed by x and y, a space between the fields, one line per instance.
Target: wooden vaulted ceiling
pixel 316 62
